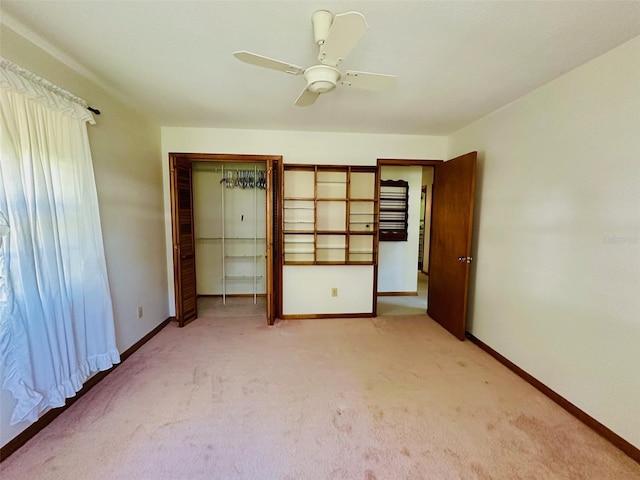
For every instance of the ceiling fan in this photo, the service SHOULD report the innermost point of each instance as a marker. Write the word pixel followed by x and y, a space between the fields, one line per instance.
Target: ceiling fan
pixel 336 36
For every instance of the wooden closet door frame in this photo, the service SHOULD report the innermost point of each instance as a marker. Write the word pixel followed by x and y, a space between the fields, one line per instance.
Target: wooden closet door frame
pixel 273 214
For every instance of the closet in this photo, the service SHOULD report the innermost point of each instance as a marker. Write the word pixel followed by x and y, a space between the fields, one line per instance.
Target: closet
pixel 229 216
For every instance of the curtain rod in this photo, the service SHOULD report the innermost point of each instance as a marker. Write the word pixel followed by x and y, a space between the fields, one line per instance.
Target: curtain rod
pixel 23 72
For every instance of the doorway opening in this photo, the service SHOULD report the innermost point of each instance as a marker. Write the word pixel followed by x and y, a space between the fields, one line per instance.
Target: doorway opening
pixel 403 265
pixel 409 304
pixel 450 240
pixel 224 221
pixel 229 218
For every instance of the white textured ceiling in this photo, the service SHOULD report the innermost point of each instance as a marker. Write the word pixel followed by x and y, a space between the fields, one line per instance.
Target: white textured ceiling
pixel 455 61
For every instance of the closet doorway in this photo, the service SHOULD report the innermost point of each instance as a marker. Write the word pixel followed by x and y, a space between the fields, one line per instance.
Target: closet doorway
pixel 224 213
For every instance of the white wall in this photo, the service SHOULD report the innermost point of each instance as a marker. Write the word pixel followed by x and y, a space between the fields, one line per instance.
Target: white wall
pixel 308 148
pixel 398 261
pixel 125 149
pixel 308 289
pixel 556 286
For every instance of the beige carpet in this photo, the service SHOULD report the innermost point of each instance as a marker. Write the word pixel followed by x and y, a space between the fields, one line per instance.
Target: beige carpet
pixel 405 305
pixel 384 398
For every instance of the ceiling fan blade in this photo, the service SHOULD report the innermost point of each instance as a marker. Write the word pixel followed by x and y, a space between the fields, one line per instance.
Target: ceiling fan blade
pixel 345 32
pixel 266 62
pixel 306 98
pixel 368 81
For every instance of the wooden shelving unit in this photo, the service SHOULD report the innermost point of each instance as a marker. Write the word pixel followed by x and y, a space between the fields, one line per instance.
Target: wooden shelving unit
pixel 330 215
pixel 394 210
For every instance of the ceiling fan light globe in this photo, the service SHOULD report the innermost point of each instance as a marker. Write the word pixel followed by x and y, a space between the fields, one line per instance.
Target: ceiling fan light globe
pixel 321 78
pixel 321 86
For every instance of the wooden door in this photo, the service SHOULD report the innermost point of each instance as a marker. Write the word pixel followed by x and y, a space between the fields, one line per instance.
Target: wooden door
pixel 450 250
pixel 184 258
pixel 273 250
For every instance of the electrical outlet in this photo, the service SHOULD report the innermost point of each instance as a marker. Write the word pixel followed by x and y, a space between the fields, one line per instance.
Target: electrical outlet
pixel 139 312
pixel 334 292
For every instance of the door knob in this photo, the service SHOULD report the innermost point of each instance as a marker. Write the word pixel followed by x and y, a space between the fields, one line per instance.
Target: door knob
pixel 465 259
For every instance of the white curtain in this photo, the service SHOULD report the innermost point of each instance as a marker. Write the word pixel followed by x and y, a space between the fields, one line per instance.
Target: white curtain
pixel 56 324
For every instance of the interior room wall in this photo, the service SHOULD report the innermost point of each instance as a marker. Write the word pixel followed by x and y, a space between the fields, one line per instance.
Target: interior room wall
pixel 316 282
pixel 556 271
pixel 398 261
pixel 125 149
pixel 323 148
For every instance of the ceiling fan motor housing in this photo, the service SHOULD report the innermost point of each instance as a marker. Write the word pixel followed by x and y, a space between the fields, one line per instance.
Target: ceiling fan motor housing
pixel 321 78
pixel 321 21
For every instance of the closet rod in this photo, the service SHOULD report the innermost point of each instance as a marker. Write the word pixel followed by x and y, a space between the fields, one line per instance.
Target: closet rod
pixel 229 169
